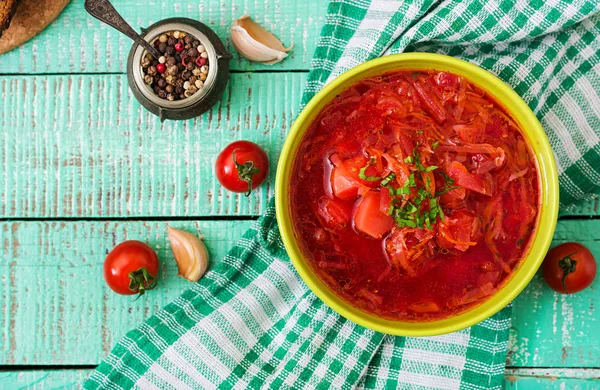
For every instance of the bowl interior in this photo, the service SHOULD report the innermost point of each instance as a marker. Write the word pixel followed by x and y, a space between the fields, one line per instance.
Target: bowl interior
pixel 532 131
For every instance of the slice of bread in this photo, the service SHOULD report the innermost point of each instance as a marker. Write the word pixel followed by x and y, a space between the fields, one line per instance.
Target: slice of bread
pixel 7 9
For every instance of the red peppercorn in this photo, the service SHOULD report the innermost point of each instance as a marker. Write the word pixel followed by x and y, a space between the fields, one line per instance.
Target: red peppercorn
pixel 161 68
pixel 200 61
pixel 179 46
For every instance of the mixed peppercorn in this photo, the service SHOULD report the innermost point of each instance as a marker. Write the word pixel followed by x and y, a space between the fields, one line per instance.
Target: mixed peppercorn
pixel 182 68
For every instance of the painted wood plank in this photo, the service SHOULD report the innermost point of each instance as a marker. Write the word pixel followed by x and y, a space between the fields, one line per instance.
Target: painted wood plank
pixel 516 379
pixel 585 208
pixel 55 306
pixel 556 330
pixel 81 146
pixel 44 379
pixel 78 43
pixel 552 379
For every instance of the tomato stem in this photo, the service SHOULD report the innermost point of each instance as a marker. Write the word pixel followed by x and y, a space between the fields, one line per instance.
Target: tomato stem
pixel 245 171
pixel 141 281
pixel 568 266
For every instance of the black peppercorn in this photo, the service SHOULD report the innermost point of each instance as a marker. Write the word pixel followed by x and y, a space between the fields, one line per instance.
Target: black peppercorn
pixel 162 47
pixel 170 50
pixel 179 90
pixel 186 74
pixel 188 39
pixel 156 89
pixel 183 53
pixel 171 61
pixel 162 83
pixel 195 44
pixel 154 62
pixel 188 46
pixel 179 83
pixel 180 66
pixel 170 88
pixel 171 41
pixel 193 52
pixel 190 66
pixel 162 94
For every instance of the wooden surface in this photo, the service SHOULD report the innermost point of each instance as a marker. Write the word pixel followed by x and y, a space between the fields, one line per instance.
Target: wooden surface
pixel 84 167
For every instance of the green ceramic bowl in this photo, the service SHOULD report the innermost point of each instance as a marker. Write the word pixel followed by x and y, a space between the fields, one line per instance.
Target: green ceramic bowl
pixel 534 134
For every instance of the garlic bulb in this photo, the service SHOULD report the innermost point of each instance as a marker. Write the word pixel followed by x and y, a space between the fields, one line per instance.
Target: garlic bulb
pixel 255 43
pixel 190 254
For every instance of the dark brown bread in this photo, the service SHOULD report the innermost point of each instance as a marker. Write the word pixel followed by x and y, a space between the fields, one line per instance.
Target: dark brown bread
pixel 7 10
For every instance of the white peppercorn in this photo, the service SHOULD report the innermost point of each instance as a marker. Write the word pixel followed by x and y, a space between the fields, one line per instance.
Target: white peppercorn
pixel 172 70
pixel 171 79
pixel 191 91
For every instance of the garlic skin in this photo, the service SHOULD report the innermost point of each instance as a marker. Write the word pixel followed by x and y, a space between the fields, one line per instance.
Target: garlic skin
pixel 190 254
pixel 255 43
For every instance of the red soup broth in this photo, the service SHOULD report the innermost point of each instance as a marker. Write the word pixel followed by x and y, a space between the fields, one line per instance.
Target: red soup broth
pixel 414 195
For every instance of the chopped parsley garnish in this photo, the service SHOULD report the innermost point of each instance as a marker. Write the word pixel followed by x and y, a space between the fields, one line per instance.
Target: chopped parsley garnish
pixel 417 159
pixel 448 185
pixel 413 206
pixel 363 175
pixel 387 179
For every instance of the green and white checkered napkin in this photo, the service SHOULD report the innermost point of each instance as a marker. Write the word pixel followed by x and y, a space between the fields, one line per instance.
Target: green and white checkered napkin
pixel 251 322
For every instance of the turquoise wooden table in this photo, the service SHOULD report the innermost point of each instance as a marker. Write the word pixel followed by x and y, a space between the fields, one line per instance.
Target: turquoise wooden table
pixel 84 167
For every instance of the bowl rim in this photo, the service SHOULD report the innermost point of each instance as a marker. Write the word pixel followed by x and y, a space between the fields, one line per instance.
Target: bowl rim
pixel 548 192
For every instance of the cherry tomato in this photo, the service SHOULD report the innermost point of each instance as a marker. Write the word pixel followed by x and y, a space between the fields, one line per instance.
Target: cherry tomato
pixel 242 166
pixel 131 268
pixel 569 268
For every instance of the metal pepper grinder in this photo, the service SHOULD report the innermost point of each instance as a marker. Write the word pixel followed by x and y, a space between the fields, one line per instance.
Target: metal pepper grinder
pixel 218 60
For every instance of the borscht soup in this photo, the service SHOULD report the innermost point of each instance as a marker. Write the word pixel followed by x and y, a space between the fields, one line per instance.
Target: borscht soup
pixel 414 195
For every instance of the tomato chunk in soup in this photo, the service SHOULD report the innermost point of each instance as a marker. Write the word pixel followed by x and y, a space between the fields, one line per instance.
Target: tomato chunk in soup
pixel 414 195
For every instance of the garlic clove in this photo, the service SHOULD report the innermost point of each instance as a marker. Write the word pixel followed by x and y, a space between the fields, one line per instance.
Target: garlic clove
pixel 255 43
pixel 190 254
pixel 261 35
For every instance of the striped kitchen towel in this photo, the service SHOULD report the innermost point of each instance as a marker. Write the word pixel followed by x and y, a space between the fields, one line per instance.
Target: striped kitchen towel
pixel 252 323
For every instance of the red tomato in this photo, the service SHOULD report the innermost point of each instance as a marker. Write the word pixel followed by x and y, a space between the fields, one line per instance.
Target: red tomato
pixel 569 268
pixel 242 166
pixel 131 268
